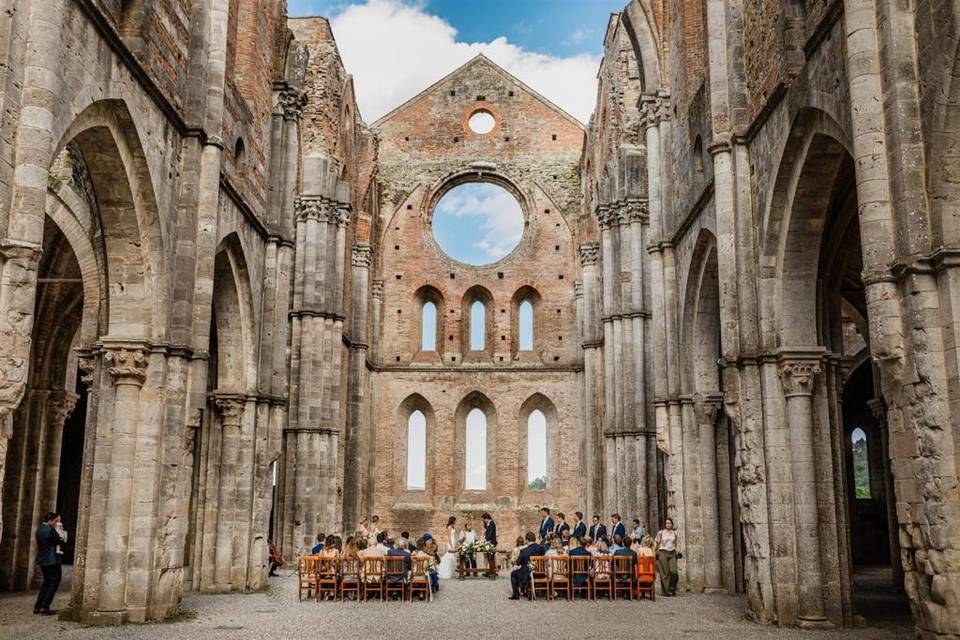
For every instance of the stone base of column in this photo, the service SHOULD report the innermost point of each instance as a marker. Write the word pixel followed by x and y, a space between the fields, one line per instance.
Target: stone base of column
pixel 105 618
pixel 814 623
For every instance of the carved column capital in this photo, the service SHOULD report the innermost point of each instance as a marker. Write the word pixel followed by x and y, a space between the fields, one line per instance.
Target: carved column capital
pixel 708 408
pixel 312 208
pixel 341 214
pixel 636 211
pixel 87 365
pixel 127 366
pixel 798 376
pixel 360 256
pixel 654 109
pixel 62 407
pixel 231 410
pixel 609 215
pixel 290 103
pixel 589 253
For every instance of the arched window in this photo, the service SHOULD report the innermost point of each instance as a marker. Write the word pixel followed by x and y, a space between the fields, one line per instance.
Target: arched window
pixel 478 326
pixel 526 326
pixel 536 450
pixel 417 450
pixel 476 451
pixel 861 464
pixel 428 327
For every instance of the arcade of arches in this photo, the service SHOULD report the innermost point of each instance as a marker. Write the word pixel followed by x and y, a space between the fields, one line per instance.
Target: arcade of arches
pixel 734 299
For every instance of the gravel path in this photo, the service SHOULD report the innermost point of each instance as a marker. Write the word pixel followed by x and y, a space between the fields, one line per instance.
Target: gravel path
pixel 462 610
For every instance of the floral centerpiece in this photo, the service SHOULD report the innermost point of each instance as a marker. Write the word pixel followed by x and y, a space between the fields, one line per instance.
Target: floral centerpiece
pixel 469 550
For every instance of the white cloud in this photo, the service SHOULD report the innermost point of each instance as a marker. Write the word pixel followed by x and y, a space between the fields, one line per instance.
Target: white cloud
pixel 395 50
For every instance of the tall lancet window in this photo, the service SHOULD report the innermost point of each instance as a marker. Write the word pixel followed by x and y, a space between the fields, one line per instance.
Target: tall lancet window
pixel 417 451
pixel 536 450
pixel 861 464
pixel 428 327
pixel 526 326
pixel 476 451
pixel 478 326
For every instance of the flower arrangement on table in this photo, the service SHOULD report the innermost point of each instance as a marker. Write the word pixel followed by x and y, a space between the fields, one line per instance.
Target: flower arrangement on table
pixel 469 550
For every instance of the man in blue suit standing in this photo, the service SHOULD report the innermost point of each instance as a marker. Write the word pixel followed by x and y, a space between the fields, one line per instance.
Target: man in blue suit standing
pixel 579 526
pixel 597 529
pixel 616 527
pixel 546 524
pixel 49 561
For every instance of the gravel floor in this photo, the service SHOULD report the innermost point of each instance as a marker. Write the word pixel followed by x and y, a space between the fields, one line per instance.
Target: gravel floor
pixel 463 610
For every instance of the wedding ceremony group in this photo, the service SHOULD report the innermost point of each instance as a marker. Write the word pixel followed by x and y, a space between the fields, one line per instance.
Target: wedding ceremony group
pixel 560 558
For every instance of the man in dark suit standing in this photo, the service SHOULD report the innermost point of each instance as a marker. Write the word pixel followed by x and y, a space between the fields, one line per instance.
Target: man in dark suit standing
pixel 616 527
pixel 49 561
pixel 597 529
pixel 521 575
pixel 561 525
pixel 546 524
pixel 490 535
pixel 579 526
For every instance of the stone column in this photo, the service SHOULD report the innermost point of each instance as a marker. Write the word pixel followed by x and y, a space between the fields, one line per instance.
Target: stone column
pixel 798 372
pixel 128 367
pixel 356 384
pixel 707 411
pixel 592 363
pixel 231 415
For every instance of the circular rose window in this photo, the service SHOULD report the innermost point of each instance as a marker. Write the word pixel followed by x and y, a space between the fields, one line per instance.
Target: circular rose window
pixel 477 223
pixel 481 122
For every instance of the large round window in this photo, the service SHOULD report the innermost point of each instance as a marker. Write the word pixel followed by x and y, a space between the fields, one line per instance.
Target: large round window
pixel 478 223
pixel 481 122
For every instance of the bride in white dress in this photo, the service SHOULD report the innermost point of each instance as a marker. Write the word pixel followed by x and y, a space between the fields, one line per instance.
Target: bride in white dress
pixel 448 564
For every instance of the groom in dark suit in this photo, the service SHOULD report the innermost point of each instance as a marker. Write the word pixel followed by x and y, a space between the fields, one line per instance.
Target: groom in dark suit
pixel 546 524
pixel 490 535
pixel 579 526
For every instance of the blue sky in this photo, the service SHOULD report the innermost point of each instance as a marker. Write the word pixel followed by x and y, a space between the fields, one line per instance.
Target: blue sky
pixel 396 48
pixel 478 223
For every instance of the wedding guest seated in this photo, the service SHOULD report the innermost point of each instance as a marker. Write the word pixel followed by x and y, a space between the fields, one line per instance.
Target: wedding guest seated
pixel 602 571
pixel 626 551
pixel 331 547
pixel 351 551
pixel 520 577
pixel 399 548
pixel 565 539
pixel 517 548
pixel 617 544
pixel 367 551
pixel 638 530
pixel 382 541
pixel 556 549
pixel 430 546
pixel 590 545
pixel 646 547
pixel 421 553
pixel 317 548
pixel 578 551
pixel 406 538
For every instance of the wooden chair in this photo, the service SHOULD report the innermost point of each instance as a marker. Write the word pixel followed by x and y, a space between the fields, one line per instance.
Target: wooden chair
pixel 623 572
pixel 394 576
pixel 560 577
pixel 372 577
pixel 351 577
pixel 307 575
pixel 419 580
pixel 539 576
pixel 602 575
pixel 327 578
pixel 580 576
pixel 646 577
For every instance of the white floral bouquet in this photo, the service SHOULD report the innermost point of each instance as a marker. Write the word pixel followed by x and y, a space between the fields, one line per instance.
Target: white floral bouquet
pixel 484 546
pixel 468 550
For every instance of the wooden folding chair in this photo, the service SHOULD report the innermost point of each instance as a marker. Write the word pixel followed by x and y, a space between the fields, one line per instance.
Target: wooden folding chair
pixel 602 575
pixel 580 567
pixel 647 577
pixel 539 576
pixel 327 579
pixel 307 575
pixel 351 578
pixel 372 577
pixel 394 576
pixel 419 580
pixel 623 571
pixel 560 577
